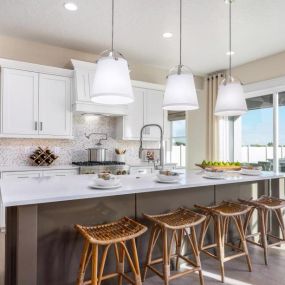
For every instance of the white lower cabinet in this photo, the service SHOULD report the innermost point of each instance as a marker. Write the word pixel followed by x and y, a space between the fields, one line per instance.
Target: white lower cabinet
pixel 21 174
pixel 53 173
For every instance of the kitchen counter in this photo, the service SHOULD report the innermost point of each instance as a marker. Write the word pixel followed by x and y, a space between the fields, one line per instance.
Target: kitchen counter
pixel 41 213
pixel 56 189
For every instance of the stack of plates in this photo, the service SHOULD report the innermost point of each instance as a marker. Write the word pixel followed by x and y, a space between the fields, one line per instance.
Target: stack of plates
pixel 251 172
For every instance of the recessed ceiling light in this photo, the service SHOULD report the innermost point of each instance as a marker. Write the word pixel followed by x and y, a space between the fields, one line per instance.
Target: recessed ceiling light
pixel 167 35
pixel 230 52
pixel 70 6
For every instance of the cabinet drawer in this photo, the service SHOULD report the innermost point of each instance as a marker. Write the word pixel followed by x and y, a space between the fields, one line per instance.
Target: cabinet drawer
pixel 53 173
pixel 21 174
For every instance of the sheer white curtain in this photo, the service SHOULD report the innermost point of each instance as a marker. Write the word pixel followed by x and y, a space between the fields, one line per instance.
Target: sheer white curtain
pixel 218 136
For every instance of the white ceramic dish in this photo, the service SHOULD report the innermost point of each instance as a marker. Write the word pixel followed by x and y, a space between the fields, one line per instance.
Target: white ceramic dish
pixel 168 178
pixel 106 183
pixel 168 182
pixel 251 172
pixel 214 177
pixel 94 186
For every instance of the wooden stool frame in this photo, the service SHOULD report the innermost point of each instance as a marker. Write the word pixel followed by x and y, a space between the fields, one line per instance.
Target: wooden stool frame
pixel 221 223
pixel 178 236
pixel 263 233
pixel 90 255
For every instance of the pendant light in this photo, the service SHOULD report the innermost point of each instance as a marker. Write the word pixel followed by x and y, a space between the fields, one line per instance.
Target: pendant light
pixel 180 93
pixel 112 83
pixel 231 99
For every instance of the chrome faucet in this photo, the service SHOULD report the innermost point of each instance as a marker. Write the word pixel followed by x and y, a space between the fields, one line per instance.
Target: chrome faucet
pixel 161 151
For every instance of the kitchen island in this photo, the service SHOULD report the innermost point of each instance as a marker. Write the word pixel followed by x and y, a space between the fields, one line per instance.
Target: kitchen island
pixel 41 244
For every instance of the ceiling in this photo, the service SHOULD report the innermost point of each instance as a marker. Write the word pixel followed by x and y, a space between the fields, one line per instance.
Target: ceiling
pixel 258 29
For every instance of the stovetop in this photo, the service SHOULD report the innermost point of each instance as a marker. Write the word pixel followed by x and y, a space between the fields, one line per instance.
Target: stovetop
pixel 97 163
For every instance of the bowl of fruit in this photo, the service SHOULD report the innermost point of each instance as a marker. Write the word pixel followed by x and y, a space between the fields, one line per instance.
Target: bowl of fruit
pixel 220 165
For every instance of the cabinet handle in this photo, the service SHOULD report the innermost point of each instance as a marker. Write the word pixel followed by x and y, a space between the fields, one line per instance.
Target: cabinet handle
pixel 41 126
pixel 36 126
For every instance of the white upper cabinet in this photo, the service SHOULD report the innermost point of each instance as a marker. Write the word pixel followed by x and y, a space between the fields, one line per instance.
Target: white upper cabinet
pixel 54 105
pixel 153 112
pixel 35 101
pixel 83 85
pixel 19 102
pixel 146 109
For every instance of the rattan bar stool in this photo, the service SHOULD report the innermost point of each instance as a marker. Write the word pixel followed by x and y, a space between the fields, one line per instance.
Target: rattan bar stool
pixel 181 224
pixel 264 205
pixel 221 215
pixel 115 234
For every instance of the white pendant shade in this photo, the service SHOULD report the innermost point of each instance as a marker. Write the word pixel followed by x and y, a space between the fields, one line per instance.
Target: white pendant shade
pixel 231 100
pixel 112 83
pixel 180 93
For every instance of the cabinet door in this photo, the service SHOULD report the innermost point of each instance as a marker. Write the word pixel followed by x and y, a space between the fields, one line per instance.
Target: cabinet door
pixel 82 86
pixel 54 105
pixel 133 121
pixel 153 112
pixel 20 102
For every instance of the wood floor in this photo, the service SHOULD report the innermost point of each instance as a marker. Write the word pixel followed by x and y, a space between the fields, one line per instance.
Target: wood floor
pixel 236 271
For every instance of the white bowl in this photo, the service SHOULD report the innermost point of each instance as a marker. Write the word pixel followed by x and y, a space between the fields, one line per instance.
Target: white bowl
pixel 168 178
pixel 106 183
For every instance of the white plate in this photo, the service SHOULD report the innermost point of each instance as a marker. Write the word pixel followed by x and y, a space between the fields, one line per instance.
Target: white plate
pixel 251 173
pixel 214 177
pixel 93 186
pixel 168 182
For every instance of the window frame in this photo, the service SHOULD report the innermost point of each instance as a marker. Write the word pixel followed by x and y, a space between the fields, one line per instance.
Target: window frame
pixel 262 88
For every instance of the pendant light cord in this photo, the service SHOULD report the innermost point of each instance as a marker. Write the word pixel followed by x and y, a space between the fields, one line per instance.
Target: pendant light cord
pixel 180 43
pixel 230 38
pixel 112 25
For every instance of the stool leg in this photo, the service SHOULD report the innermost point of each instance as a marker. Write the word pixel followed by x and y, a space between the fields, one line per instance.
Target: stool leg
pixel 263 215
pixel 83 263
pixel 120 266
pixel 239 226
pixel 166 265
pixel 136 262
pixel 94 269
pixel 220 244
pixel 149 250
pixel 178 247
pixel 101 270
pixel 279 216
pixel 204 228
pixel 197 254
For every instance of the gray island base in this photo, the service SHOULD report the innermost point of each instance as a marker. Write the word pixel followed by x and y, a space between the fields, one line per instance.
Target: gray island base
pixel 42 246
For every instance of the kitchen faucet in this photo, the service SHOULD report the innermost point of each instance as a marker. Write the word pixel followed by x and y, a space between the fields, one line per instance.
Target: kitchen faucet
pixel 161 151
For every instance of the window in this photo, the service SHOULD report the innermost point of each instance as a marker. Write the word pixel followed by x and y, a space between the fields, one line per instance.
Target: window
pixel 259 135
pixel 177 140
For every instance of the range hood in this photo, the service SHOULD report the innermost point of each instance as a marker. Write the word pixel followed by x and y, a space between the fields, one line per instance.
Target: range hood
pixel 83 83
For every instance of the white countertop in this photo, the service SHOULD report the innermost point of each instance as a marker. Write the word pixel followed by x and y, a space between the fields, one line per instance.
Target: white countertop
pixel 37 168
pixel 55 189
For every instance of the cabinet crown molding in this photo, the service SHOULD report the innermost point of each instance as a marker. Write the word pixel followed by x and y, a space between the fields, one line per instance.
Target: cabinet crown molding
pixel 33 67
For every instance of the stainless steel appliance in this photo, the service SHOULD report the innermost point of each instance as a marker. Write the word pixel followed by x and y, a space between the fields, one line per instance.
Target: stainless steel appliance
pixel 97 154
pixel 95 167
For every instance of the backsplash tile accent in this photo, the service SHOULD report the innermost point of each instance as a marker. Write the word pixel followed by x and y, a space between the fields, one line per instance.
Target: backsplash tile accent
pixel 15 152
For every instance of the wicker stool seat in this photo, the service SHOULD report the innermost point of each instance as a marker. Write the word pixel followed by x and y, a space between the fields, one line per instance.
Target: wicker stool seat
pixel 181 224
pixel 263 206
pixel 114 234
pixel 221 215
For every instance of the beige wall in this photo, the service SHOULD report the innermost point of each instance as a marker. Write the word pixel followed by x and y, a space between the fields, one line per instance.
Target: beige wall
pixel 197 132
pixel 262 69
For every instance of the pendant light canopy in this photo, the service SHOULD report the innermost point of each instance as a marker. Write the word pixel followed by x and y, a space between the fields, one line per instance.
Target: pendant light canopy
pixel 231 99
pixel 112 83
pixel 180 92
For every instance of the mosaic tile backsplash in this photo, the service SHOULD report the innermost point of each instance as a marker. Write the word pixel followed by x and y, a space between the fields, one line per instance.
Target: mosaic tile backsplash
pixel 15 152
